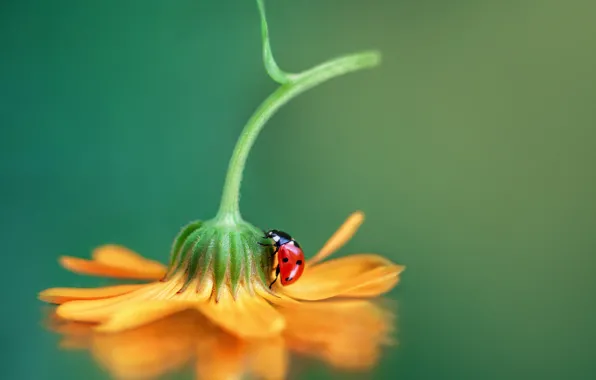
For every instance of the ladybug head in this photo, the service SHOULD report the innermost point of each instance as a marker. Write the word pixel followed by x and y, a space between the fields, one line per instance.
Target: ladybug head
pixel 270 234
pixel 277 235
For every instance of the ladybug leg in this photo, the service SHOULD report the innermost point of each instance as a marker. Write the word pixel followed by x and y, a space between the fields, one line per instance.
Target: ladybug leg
pixel 276 276
pixel 270 245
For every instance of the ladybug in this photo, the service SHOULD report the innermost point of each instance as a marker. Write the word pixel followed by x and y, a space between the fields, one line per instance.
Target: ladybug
pixel 289 256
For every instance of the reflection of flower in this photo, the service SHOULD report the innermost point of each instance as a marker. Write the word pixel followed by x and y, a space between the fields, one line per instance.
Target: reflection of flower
pixel 243 307
pixel 345 334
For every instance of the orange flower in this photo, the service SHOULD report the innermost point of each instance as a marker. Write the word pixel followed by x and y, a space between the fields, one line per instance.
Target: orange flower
pixel 247 308
pixel 347 335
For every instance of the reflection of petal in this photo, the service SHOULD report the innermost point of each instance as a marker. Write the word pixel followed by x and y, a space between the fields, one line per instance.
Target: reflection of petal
pixel 346 334
pixel 339 238
pixel 73 343
pixel 354 275
pixel 220 356
pixel 74 335
pixel 269 359
pixel 149 351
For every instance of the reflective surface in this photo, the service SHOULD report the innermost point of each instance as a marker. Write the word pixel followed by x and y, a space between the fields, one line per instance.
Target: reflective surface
pixel 347 335
pixel 471 150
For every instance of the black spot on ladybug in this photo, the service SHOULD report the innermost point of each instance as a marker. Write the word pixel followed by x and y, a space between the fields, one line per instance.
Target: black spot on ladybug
pixel 285 260
pixel 288 278
pixel 299 262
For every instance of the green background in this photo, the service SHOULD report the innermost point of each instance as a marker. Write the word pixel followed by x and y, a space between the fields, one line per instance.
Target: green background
pixel 471 150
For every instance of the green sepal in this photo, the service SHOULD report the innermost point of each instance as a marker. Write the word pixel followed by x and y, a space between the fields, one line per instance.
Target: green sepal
pixel 237 262
pixel 222 260
pixel 185 251
pixel 184 233
pixel 193 262
pixel 206 260
pixel 228 253
pixel 249 264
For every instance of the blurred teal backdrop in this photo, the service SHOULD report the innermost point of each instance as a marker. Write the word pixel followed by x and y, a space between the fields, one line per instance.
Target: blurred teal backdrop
pixel 471 150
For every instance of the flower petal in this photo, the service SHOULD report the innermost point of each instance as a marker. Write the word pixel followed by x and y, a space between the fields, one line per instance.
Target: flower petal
pixel 380 282
pixel 123 258
pixel 339 238
pixel 95 268
pixel 276 297
pixel 141 313
pixel 362 275
pixel 248 316
pixel 99 310
pixel 62 295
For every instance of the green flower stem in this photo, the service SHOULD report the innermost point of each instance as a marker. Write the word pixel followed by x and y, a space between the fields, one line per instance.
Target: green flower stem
pixel 229 207
pixel 270 65
pixel 291 86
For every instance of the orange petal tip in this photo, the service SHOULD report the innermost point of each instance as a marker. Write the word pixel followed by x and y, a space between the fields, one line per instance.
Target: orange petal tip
pixel 46 295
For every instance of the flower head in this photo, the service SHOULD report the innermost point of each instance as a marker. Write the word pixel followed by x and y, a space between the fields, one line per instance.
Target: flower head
pixel 240 303
pixel 221 269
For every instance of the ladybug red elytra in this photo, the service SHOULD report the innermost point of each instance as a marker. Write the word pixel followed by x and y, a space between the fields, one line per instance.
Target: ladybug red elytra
pixel 289 256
